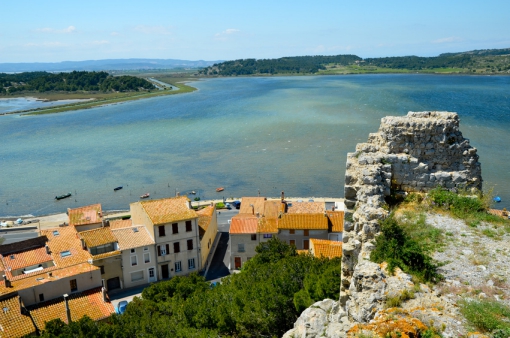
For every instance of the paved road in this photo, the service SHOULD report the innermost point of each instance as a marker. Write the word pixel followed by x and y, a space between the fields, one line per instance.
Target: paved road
pixel 17 236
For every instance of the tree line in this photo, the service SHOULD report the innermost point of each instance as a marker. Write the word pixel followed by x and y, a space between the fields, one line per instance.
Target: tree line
pixel 70 82
pixel 263 300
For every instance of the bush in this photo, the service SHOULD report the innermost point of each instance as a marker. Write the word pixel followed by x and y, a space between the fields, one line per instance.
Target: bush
pixel 220 205
pixel 487 316
pixel 396 247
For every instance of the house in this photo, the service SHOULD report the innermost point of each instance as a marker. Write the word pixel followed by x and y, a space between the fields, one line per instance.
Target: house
pixel 105 254
pixel 298 229
pixel 208 230
pixel 325 248
pixel 137 252
pixel 335 225
pixel 174 226
pixel 14 319
pixel 86 218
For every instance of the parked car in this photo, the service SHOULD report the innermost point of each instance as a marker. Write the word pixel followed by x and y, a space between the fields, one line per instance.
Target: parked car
pixel 121 307
pixel 228 206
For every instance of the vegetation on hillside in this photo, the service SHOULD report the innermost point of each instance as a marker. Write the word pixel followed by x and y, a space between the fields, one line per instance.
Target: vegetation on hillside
pixel 493 61
pixel 70 82
pixel 263 300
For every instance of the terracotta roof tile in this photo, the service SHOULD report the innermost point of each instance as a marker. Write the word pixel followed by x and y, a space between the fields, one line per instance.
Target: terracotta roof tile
pixel 306 208
pixel 204 218
pixel 168 210
pixel 243 225
pixel 88 303
pixel 96 237
pixel 89 214
pixel 66 239
pixel 106 255
pixel 26 258
pixel 273 208
pixel 336 220
pixel 268 225
pixel 303 221
pixel 128 238
pixel 326 248
pixel 120 223
pixel 257 202
pixel 13 323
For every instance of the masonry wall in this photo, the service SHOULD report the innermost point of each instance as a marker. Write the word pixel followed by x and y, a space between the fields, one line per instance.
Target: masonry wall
pixel 417 152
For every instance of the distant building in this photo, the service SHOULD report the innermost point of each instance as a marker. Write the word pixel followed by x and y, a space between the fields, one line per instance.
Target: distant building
pixel 208 231
pixel 86 218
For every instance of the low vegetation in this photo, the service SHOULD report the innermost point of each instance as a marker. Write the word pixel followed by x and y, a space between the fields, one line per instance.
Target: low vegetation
pixel 263 300
pixel 487 316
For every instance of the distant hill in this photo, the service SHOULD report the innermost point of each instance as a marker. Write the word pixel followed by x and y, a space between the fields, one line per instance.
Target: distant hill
pixel 98 65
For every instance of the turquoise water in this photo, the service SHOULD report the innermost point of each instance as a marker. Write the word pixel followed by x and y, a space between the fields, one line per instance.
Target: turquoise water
pixel 21 103
pixel 244 134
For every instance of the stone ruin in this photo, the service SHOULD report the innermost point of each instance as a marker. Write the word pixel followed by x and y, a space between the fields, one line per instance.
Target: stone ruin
pixel 417 152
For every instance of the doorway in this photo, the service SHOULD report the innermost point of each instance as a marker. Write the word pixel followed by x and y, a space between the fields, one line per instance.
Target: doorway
pixel 164 271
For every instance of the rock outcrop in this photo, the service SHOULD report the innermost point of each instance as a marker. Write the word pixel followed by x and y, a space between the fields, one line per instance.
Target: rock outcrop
pixel 417 152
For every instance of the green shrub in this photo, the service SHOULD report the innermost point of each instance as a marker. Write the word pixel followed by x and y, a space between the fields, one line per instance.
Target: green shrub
pixel 398 249
pixel 220 205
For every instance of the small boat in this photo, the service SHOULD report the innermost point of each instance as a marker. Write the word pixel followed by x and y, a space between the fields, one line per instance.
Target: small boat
pixel 193 192
pixel 220 189
pixel 63 196
pixel 146 195
pixel 118 188
pixel 497 199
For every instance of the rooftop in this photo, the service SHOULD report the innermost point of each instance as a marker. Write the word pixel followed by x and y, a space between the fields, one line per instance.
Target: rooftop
pixel 134 237
pixel 336 220
pixel 62 240
pixel 326 248
pixel 120 223
pixel 90 214
pixel 12 321
pixel 306 208
pixel 97 237
pixel 303 221
pixel 168 210
pixel 25 258
pixel 204 218
pixel 258 205
pixel 243 225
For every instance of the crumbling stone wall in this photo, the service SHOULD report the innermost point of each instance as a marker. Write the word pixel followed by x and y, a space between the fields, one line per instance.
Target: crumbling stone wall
pixel 417 152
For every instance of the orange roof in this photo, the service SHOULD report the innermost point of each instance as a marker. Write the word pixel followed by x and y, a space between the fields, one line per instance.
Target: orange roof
pixel 257 202
pixel 134 237
pixel 243 225
pixel 89 214
pixel 303 221
pixel 168 210
pixel 268 225
pixel 88 303
pixel 96 237
pixel 302 252
pixel 66 239
pixel 204 218
pixel 273 208
pixel 13 323
pixel 26 258
pixel 306 208
pixel 336 220
pixel 325 248
pixel 120 223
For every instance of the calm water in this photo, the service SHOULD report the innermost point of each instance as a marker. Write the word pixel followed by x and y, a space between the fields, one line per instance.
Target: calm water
pixel 21 103
pixel 244 134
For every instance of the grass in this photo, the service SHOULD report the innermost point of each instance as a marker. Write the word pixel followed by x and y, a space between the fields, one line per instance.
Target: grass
pixel 487 316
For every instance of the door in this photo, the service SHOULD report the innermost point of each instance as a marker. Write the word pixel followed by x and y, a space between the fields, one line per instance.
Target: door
pixel 306 244
pixel 237 263
pixel 152 275
pixel 113 283
pixel 164 271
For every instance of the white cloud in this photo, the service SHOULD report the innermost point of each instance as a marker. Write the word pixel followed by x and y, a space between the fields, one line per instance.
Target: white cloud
pixel 223 35
pixel 153 30
pixel 45 44
pixel 67 30
pixel 447 40
pixel 101 42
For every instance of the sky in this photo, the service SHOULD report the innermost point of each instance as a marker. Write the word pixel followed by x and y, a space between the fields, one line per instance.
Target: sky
pixel 54 31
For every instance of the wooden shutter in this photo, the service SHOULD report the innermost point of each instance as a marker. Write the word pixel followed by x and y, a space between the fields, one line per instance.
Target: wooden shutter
pixel 159 250
pixel 167 249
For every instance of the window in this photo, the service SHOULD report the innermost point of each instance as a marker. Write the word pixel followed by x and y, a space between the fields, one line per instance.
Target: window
pixel 163 250
pixel 253 237
pixel 268 236
pixel 100 249
pixel 161 230
pixel 74 285
pixel 177 247
pixel 306 244
pixel 292 242
pixel 177 266
pixel 133 250
pixel 188 226
pixel 146 257
pixel 136 276
pixel 145 248
pixel 190 244
pixel 65 254
pixel 191 263
pixel 56 233
pixel 41 297
pixel 240 247
pixel 292 232
pixel 306 232
pixel 102 269
pixel 134 261
pixel 175 228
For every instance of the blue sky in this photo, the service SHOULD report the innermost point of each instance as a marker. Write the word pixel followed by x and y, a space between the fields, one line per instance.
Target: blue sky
pixel 53 31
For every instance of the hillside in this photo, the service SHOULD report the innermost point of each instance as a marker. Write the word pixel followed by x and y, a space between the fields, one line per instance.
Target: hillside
pixel 492 61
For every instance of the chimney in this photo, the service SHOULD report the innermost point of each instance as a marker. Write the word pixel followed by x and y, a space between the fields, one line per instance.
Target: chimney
pixel 50 274
pixel 189 204
pixel 283 195
pixel 333 208
pixel 68 311
pixel 7 282
pixel 177 194
pixel 252 209
pixel 47 249
pixel 83 245
pixel 103 292
pixel 22 309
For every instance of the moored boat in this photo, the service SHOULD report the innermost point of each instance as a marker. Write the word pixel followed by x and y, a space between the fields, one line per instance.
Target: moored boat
pixel 118 188
pixel 63 196
pixel 220 189
pixel 146 195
